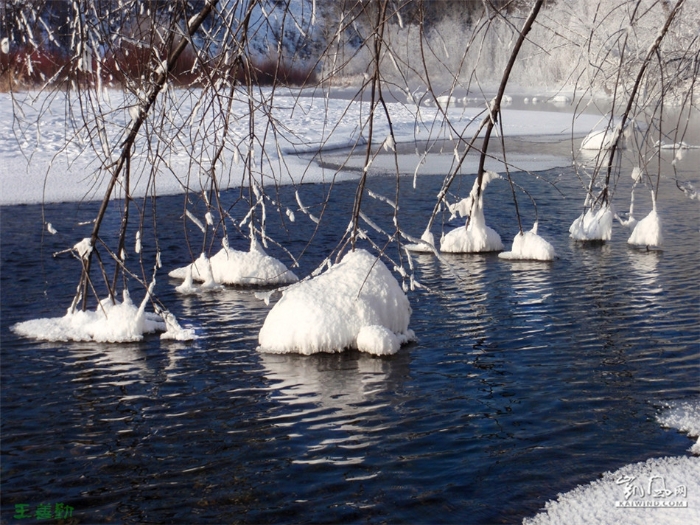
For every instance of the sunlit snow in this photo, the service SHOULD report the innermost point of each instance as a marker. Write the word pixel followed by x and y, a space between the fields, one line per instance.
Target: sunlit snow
pixel 593 225
pixel 475 236
pixel 684 416
pixel 357 303
pixel 602 502
pixel 529 246
pixel 229 266
pixel 111 322
pixel 647 232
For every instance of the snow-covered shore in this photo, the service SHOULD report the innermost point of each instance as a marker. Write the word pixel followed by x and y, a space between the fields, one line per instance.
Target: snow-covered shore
pixel 48 157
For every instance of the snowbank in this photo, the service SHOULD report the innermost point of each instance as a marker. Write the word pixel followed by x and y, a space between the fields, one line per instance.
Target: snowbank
pixel 647 232
pixel 231 266
pixel 622 496
pixel 118 322
pixel 684 416
pixel 355 304
pixel 476 236
pixel 529 246
pixel 593 225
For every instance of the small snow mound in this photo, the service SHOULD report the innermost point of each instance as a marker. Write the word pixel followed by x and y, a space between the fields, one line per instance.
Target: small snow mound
pixel 602 139
pixel 529 246
pixel 475 236
pixel 685 417
pixel 613 498
pixel 174 331
pixel 328 313
pixel 647 232
pixel 560 100
pixel 234 267
pixel 117 322
pixel 471 240
pixel 593 225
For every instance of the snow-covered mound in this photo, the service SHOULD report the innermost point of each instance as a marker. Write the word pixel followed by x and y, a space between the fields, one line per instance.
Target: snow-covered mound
pixel 647 232
pixel 602 139
pixel 355 304
pixel 529 246
pixel 231 266
pixel 593 225
pixel 118 322
pixel 476 236
pixel 623 496
pixel 684 416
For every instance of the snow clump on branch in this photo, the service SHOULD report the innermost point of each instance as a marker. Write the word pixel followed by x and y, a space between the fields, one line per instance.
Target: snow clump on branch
pixel 111 322
pixel 229 266
pixel 476 236
pixel 528 246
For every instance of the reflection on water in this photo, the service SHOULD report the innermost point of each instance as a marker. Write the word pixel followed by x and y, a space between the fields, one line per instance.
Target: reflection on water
pixel 526 380
pixel 335 396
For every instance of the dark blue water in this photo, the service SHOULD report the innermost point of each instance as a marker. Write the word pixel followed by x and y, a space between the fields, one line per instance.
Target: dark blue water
pixel 527 379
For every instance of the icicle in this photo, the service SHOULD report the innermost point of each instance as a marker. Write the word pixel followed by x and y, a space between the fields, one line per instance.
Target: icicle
pixel 382 198
pixel 303 208
pixel 137 248
pixel 195 220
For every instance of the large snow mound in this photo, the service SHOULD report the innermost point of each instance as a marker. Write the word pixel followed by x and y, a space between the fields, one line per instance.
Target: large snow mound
pixel 117 322
pixel 529 246
pixel 594 225
pixel 476 236
pixel 650 492
pixel 647 232
pixel 357 303
pixel 229 266
pixel 684 416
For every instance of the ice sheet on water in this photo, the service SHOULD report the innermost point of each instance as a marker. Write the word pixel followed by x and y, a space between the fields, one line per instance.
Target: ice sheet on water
pixel 684 415
pixel 357 303
pixel 602 502
pixel 309 136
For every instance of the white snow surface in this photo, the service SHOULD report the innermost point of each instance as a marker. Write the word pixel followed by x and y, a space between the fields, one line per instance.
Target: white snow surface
pixel 647 232
pixel 357 303
pixel 594 225
pixel 595 503
pixel 47 156
pixel 528 246
pixel 476 237
pixel 685 416
pixel 601 139
pixel 229 266
pixel 117 322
